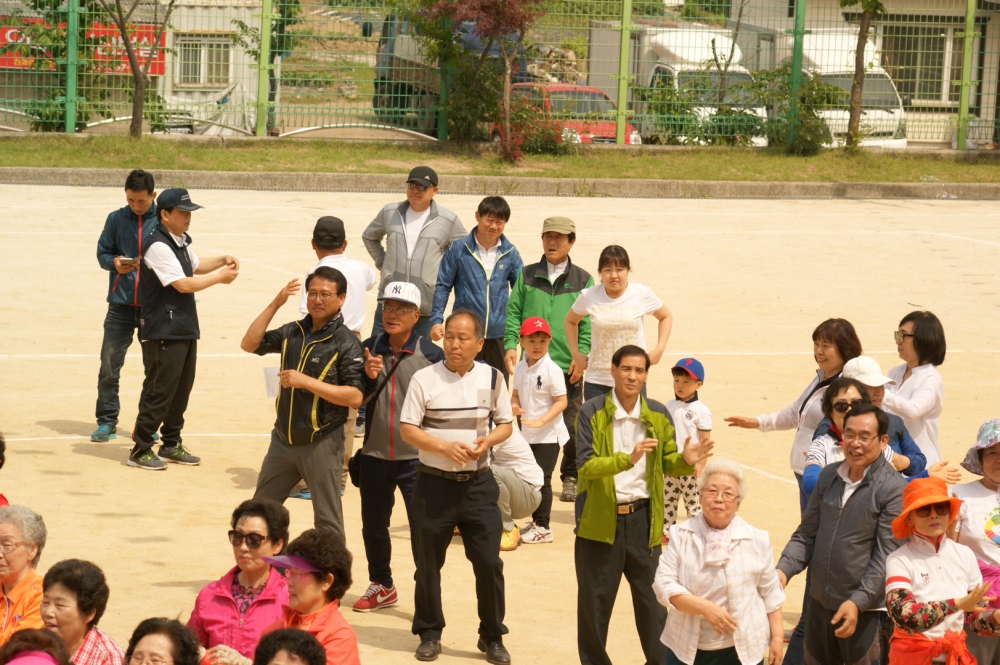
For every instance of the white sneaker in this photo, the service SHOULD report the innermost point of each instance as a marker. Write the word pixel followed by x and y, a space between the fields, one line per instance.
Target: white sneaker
pixel 527 528
pixel 537 535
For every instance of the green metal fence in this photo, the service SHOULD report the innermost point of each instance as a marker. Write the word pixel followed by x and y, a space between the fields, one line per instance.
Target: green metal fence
pixel 617 71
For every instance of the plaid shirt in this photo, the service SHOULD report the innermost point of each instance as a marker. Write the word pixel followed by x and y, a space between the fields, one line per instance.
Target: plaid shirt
pixel 98 648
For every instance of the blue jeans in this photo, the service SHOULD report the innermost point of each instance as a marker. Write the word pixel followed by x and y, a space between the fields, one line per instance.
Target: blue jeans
pixel 120 326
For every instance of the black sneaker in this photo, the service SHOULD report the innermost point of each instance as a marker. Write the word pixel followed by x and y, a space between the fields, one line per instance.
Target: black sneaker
pixel 178 455
pixel 145 459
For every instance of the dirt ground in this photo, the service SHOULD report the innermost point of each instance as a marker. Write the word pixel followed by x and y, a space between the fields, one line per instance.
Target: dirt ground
pixel 747 281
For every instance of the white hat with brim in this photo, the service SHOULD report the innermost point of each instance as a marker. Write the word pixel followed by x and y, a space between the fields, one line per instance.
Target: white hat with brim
pixel 866 370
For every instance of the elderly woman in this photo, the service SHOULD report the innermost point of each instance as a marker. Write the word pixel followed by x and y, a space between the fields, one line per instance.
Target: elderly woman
pixel 318 569
pixel 162 641
pixel 22 539
pixel 230 614
pixel 33 646
pixel 978 524
pixel 717 573
pixel 74 600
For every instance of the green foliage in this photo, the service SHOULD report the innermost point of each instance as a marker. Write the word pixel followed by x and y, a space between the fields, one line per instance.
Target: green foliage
pixel 473 98
pixel 591 9
pixel 706 11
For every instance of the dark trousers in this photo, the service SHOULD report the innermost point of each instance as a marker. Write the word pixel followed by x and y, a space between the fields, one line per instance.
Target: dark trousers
pixel 822 647
pixel 599 570
pixel 318 463
pixel 546 455
pixel 120 326
pixel 726 656
pixel 378 481
pixel 170 366
pixel 493 355
pixel 795 653
pixel 574 397
pixel 440 505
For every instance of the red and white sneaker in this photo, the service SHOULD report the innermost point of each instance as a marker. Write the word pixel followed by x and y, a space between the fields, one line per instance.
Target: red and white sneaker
pixel 375 598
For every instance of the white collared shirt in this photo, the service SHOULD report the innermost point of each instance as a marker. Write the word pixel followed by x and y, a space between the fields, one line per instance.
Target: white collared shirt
pixel 360 279
pixel 536 386
pixel 556 269
pixel 628 431
pixel 488 256
pixel 918 401
pixel 850 486
pixel 751 587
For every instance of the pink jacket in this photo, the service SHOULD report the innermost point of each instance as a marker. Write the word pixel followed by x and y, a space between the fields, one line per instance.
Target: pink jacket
pixel 216 620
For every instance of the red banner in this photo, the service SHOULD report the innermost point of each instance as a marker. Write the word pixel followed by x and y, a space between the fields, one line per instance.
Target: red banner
pixel 109 55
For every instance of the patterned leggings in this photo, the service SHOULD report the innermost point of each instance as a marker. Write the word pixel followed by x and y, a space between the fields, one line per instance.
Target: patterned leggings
pixel 676 488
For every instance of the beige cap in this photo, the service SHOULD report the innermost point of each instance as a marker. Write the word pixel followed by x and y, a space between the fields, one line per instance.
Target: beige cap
pixel 563 225
pixel 866 370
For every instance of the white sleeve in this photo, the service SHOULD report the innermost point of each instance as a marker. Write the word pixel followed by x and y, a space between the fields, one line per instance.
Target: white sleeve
pixel 193 258
pixel 557 385
pixel 415 405
pixel 371 278
pixel 516 383
pixel 924 399
pixel 650 302
pixel 164 263
pixel 896 574
pixel 816 453
pixel 303 307
pixel 582 303
pixel 502 413
pixel 704 420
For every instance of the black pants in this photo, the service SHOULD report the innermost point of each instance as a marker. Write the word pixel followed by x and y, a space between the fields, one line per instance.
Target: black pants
pixel 170 366
pixel 599 570
pixel 378 481
pixel 493 355
pixel 546 455
pixel 822 647
pixel 574 395
pixel 439 505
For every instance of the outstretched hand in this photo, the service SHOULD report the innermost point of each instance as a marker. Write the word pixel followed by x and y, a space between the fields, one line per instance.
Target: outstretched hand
pixel 697 451
pixel 287 291
pixel 740 421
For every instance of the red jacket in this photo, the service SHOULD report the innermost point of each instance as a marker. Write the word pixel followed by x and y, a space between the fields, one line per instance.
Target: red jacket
pixel 216 620
pixel 329 627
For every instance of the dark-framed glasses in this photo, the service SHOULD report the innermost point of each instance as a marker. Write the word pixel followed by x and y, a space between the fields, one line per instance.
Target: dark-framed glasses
pixel 843 406
pixel 942 509
pixel 900 336
pixel 253 540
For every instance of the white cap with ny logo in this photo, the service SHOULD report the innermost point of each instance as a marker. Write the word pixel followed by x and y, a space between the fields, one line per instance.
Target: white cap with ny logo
pixel 403 292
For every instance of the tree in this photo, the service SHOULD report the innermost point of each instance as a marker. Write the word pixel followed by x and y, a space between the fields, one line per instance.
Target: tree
pixel 140 75
pixel 869 9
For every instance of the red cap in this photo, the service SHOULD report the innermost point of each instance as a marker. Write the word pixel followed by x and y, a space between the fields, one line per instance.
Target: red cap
pixel 535 324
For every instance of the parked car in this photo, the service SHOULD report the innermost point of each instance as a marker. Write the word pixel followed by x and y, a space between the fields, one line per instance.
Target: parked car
pixel 587 114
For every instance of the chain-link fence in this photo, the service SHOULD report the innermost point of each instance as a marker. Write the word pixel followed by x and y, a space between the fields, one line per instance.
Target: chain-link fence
pixel 703 72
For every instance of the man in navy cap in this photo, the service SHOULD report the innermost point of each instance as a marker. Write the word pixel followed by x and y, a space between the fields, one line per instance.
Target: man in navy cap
pixel 169 277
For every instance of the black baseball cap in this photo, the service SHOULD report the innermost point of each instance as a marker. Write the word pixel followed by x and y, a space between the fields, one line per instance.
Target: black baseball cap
pixel 423 175
pixel 176 198
pixel 329 230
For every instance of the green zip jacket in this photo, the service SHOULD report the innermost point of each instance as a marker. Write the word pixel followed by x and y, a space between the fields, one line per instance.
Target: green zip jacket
pixel 598 463
pixel 535 295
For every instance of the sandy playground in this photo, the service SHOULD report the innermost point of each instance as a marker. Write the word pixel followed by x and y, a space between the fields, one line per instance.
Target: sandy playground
pixel 747 280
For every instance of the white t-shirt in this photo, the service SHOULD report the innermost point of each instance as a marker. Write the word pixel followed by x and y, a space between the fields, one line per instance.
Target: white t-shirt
pixel 536 386
pixel 164 262
pixel 628 431
pixel 414 223
pixel 614 323
pixel 690 418
pixel 515 453
pixel 360 278
pixel 979 521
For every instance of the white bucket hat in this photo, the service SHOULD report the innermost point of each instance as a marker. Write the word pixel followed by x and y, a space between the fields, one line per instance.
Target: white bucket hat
pixel 866 370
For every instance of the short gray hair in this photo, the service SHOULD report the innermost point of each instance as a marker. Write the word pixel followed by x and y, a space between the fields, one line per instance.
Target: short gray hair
pixel 30 524
pixel 726 467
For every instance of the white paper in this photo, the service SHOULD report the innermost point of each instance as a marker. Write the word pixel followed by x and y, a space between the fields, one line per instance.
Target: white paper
pixel 271 382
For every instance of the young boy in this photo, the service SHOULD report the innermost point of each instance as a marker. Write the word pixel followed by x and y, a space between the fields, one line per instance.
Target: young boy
pixel 692 419
pixel 539 398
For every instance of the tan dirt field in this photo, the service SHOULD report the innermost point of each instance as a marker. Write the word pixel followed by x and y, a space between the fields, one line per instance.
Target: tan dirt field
pixel 746 280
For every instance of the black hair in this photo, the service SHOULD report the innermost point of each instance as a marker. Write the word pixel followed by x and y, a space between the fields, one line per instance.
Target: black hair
pixel 841 334
pixel 837 385
pixel 680 371
pixel 3 450
pixel 928 337
pixel 569 236
pixel 185 646
pixel 294 642
pixel 495 206
pixel 326 550
pixel 476 321
pixel 160 211
pixel 331 275
pixel 629 350
pixel 140 181
pixel 35 639
pixel 86 581
pixel 613 255
pixel 273 513
pixel 863 409
pixel 328 245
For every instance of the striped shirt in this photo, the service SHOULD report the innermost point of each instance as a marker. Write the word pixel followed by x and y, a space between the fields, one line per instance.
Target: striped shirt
pixel 98 648
pixel 456 408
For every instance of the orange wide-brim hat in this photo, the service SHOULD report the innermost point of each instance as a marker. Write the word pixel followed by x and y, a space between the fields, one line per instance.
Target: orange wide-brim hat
pixel 923 492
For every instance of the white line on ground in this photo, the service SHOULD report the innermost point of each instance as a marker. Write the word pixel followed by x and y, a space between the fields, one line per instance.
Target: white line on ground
pixel 765 473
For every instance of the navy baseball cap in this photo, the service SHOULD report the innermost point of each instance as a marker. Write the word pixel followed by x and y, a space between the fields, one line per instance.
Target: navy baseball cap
pixel 176 198
pixel 423 175
pixel 692 367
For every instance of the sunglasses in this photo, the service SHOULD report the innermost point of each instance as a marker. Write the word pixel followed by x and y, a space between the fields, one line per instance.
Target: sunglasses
pixel 254 540
pixel 843 405
pixel 900 336
pixel 941 509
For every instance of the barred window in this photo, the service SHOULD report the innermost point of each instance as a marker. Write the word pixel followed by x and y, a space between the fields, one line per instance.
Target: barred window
pixel 925 62
pixel 203 60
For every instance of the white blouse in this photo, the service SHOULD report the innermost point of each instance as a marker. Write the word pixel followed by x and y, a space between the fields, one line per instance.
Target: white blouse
pixel 804 415
pixel 918 402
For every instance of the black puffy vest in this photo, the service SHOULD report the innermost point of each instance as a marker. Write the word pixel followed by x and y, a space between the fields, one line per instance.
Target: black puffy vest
pixel 166 312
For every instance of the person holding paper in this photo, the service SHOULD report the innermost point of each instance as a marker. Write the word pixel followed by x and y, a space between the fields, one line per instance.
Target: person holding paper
pixel 321 378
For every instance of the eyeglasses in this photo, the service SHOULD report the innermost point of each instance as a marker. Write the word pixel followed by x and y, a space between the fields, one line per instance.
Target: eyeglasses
pixel 9 547
pixel 900 336
pixel 394 309
pixel 415 187
pixel 863 440
pixel 254 540
pixel 940 509
pixel 843 405
pixel 320 295
pixel 147 660
pixel 727 496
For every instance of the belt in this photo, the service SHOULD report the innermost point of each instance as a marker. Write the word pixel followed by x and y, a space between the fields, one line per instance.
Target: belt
pixel 457 476
pixel 632 507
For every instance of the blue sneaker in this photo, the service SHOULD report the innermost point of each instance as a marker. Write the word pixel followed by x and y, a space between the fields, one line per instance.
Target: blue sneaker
pixel 155 436
pixel 104 433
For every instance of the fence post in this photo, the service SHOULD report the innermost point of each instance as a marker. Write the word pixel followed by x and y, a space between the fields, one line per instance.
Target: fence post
pixel 621 115
pixel 442 124
pixel 263 66
pixel 72 63
pixel 797 38
pixel 963 102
